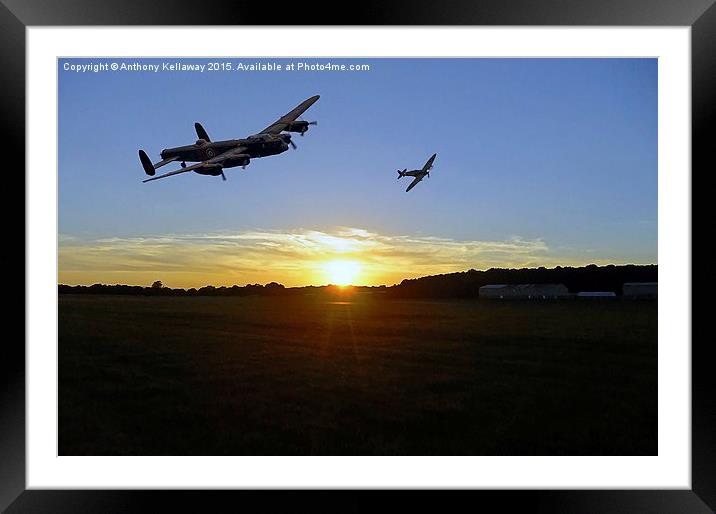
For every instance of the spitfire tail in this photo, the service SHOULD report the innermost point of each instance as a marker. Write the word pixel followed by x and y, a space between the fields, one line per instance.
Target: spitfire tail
pixel 401 174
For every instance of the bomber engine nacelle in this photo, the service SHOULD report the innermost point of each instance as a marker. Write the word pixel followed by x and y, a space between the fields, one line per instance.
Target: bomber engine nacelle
pixel 210 169
pixel 299 126
pixel 237 160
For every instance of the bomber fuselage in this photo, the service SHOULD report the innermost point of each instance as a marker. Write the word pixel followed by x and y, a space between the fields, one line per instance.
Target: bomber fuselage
pixel 262 145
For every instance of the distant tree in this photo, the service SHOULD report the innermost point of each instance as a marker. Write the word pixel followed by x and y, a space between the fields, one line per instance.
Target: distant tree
pixel 157 285
pixel 273 288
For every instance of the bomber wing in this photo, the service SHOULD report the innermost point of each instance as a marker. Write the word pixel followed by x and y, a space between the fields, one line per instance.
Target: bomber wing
pixel 214 161
pixel 415 182
pixel 281 123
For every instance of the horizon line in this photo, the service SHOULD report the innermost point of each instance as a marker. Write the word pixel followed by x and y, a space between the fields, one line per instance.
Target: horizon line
pixel 538 268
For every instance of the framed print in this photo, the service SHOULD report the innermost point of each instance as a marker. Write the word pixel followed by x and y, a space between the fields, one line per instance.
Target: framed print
pixel 421 251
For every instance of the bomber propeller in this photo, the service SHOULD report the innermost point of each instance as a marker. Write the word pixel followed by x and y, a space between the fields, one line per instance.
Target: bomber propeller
pixel 287 139
pixel 310 123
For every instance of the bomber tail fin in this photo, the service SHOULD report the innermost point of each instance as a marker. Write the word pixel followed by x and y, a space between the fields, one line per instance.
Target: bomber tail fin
pixel 146 163
pixel 201 133
pixel 150 168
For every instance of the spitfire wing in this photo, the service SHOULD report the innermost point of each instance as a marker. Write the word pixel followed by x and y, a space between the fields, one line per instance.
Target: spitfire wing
pixel 281 123
pixel 429 163
pixel 213 161
pixel 414 182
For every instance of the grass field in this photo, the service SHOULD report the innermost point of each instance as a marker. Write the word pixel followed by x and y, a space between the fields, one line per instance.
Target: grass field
pixel 359 375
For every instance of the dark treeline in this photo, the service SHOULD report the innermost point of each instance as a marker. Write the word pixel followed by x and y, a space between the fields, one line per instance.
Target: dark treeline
pixel 451 285
pixel 467 284
pixel 157 289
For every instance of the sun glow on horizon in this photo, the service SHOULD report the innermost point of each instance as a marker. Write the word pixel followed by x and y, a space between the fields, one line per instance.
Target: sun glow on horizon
pixel 342 272
pixel 293 257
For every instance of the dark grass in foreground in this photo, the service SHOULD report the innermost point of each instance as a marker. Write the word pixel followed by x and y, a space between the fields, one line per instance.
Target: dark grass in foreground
pixel 355 375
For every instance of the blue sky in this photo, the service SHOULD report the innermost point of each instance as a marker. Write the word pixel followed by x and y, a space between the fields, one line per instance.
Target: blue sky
pixel 557 155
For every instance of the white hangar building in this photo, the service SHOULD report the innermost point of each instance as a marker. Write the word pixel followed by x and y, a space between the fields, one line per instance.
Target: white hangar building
pixel 596 294
pixel 524 291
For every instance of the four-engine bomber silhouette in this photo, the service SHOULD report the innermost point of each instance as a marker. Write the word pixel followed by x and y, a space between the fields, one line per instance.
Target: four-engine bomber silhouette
pixel 213 156
pixel 418 174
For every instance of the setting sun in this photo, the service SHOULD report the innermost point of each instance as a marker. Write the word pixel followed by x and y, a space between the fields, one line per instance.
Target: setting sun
pixel 342 273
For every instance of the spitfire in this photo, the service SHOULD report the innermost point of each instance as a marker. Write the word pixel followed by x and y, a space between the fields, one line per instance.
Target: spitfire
pixel 418 174
pixel 212 157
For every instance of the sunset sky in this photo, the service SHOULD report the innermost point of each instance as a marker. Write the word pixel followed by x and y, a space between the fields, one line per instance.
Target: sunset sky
pixel 541 162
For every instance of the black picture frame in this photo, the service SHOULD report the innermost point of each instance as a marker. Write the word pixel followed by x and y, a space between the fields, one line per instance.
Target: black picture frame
pixel 700 15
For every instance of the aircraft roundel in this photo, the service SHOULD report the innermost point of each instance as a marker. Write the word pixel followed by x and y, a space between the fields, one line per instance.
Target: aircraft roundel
pixel 210 153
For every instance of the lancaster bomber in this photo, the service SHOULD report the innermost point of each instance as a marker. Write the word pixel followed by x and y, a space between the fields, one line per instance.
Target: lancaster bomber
pixel 213 156
pixel 418 174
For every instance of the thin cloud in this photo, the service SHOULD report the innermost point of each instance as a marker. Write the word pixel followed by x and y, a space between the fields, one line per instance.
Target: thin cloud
pixel 292 257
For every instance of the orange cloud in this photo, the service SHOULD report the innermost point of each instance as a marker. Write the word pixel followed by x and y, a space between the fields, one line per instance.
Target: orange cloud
pixel 294 258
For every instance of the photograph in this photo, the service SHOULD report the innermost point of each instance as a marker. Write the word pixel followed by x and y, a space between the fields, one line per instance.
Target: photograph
pixel 357 256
